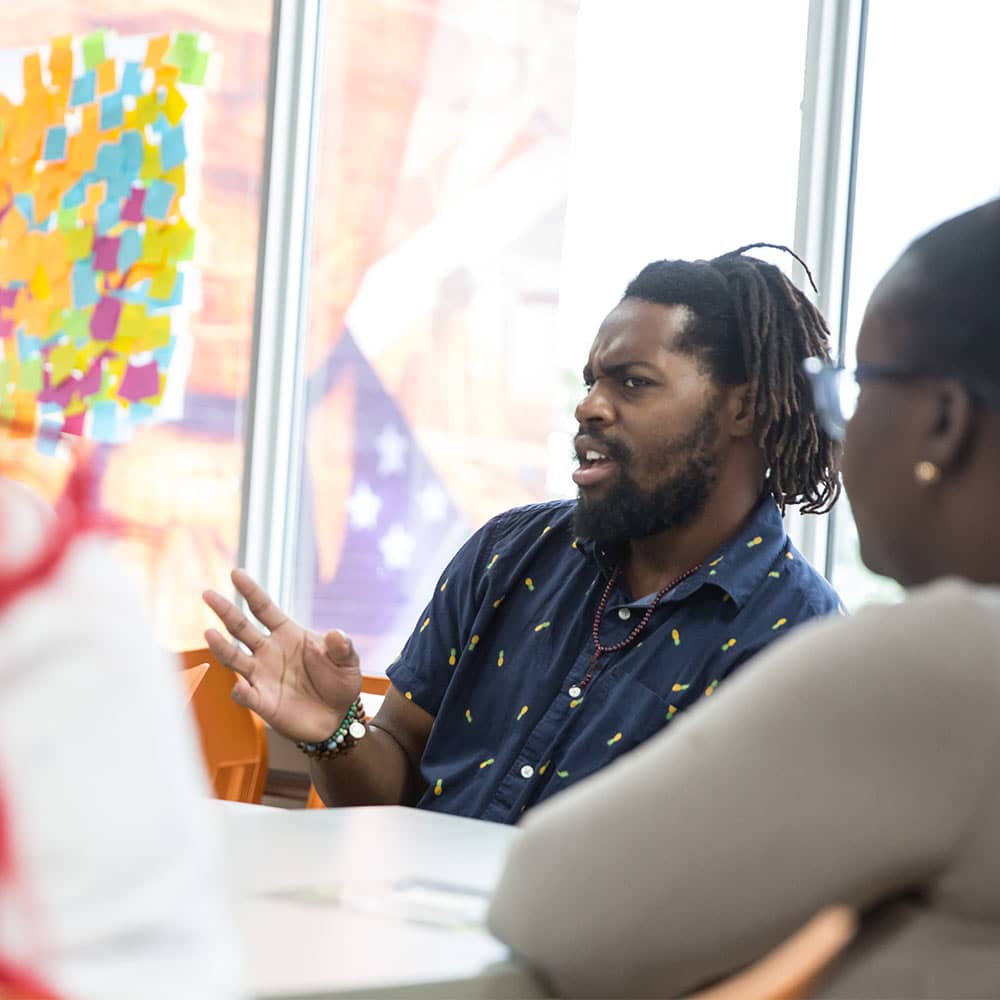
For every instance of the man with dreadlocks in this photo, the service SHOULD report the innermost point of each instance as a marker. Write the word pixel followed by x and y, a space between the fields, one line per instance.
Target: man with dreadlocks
pixel 566 633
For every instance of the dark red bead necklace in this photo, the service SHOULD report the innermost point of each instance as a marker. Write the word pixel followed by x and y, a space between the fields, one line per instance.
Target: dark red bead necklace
pixel 599 648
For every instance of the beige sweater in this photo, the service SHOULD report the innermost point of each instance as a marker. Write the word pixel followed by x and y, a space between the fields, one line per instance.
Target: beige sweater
pixel 856 761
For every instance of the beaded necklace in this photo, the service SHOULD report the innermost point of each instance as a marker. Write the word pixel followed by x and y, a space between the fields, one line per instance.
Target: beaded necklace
pixel 599 648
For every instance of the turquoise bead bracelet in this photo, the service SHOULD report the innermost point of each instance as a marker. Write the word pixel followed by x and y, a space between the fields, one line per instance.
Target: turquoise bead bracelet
pixel 352 729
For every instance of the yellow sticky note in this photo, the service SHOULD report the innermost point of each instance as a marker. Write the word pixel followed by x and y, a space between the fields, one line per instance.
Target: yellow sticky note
pixel 132 320
pixel 174 105
pixel 79 243
pixel 39 285
pixel 163 283
pixel 151 168
pixel 62 358
pixel 177 177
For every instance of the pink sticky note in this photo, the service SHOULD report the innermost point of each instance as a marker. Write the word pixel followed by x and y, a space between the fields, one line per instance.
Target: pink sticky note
pixel 8 296
pixel 106 253
pixel 104 322
pixel 60 394
pixel 74 424
pixel 140 382
pixel 91 382
pixel 132 210
pixel 6 328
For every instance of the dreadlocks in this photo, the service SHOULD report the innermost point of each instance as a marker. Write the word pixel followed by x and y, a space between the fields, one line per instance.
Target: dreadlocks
pixel 752 325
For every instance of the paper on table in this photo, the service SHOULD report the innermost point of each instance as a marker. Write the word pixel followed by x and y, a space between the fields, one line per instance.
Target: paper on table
pixel 414 900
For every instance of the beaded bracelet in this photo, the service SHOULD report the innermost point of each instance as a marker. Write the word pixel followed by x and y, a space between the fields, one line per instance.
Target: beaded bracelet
pixel 352 729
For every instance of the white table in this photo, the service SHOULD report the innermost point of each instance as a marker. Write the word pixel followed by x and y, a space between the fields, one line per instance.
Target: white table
pixel 376 901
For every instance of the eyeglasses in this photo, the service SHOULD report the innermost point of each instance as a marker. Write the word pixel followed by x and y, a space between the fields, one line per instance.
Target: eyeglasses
pixel 836 389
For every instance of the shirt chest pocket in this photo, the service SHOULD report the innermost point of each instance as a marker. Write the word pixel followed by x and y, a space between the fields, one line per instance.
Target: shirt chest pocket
pixel 633 713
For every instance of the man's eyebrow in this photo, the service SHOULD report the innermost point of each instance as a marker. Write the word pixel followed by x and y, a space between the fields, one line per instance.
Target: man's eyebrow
pixel 618 369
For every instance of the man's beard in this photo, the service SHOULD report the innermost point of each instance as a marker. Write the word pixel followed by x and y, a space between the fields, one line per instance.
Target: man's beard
pixel 625 512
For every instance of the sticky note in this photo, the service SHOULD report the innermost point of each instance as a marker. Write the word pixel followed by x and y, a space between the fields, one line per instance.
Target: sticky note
pixel 129 250
pixel 29 378
pixel 76 325
pixel 159 195
pixel 162 285
pixel 172 149
pixel 118 190
pixel 67 219
pixel 82 91
pixel 112 112
pixel 39 285
pixel 106 76
pixel 132 79
pixel 132 153
pixel 84 282
pixel 61 361
pixel 106 253
pixel 156 49
pixel 55 143
pixel 75 196
pixel 104 425
pixel 74 424
pixel 173 106
pixel 90 384
pixel 93 49
pixel 164 355
pixel 61 61
pixel 195 71
pixel 150 163
pixel 110 160
pixel 108 215
pixel 133 208
pixel 104 321
pixel 140 382
pixel 32 73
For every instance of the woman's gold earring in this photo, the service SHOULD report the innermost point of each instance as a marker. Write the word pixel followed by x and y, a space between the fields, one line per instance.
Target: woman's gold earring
pixel 926 473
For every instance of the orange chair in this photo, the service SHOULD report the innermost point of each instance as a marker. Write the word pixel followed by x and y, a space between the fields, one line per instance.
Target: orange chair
pixel 792 969
pixel 233 739
pixel 369 685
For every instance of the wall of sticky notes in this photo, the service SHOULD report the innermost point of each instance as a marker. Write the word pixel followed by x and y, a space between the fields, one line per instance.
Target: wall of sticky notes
pixel 96 239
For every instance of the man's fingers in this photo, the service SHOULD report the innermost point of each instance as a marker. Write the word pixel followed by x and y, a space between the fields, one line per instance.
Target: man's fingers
pixel 261 606
pixel 237 624
pixel 246 695
pixel 229 653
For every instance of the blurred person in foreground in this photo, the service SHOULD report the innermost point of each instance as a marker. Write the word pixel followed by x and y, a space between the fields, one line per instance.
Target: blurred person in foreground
pixel 107 888
pixel 856 761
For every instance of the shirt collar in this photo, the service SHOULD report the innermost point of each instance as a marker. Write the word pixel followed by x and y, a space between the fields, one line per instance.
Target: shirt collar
pixel 736 567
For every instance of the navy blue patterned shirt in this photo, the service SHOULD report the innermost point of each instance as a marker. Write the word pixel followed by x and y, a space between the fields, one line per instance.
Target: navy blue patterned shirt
pixel 507 635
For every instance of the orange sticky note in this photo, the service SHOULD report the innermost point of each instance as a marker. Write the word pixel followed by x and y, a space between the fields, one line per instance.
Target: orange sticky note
pixel 167 75
pixel 61 61
pixel 32 73
pixel 106 81
pixel 25 409
pixel 155 51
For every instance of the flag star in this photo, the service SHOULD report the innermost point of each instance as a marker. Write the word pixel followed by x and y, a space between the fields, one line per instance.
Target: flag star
pixel 391 447
pixel 363 507
pixel 397 547
pixel 433 503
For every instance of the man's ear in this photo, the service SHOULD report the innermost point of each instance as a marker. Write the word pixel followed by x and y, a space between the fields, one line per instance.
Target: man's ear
pixel 739 407
pixel 950 425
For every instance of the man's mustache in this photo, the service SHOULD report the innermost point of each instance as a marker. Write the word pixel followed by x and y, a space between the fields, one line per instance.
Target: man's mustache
pixel 614 450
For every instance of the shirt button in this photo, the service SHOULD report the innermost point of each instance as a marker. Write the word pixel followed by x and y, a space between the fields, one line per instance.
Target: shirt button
pixel 527 771
pixel 624 614
pixel 574 691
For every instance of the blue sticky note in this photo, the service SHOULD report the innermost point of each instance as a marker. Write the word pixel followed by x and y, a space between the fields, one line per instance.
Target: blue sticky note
pixel 118 188
pixel 75 196
pixel 164 355
pixel 112 112
pixel 132 79
pixel 106 425
pixel 131 146
pixel 27 346
pixel 140 413
pixel 47 438
pixel 162 124
pixel 159 195
pixel 84 285
pixel 173 152
pixel 82 91
pixel 130 249
pixel 55 143
pixel 109 214
pixel 110 160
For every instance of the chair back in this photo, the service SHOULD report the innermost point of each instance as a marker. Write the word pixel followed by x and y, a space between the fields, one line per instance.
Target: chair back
pixel 233 739
pixel 793 968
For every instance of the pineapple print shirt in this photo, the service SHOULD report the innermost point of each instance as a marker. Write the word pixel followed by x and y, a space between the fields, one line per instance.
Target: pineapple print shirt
pixel 499 652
